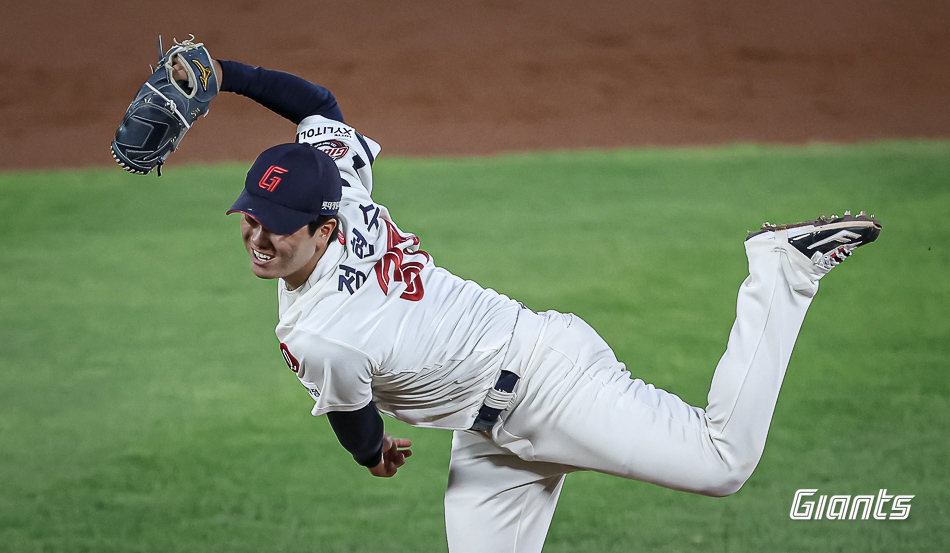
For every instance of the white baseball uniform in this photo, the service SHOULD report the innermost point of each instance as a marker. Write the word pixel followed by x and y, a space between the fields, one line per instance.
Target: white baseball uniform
pixel 378 320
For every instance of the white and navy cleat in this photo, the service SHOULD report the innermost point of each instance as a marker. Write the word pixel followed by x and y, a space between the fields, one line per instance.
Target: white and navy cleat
pixel 828 241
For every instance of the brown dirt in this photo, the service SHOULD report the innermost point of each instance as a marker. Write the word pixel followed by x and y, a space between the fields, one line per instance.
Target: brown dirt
pixel 442 78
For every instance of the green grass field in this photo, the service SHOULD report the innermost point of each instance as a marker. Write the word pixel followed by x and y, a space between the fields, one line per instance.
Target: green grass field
pixel 144 405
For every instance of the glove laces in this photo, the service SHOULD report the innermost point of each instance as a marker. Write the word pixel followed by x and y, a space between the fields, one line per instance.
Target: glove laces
pixel 188 44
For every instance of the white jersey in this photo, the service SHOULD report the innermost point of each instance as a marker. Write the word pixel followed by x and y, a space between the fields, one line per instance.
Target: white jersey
pixel 377 320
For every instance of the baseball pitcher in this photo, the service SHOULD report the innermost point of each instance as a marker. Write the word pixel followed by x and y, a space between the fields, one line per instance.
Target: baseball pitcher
pixel 369 324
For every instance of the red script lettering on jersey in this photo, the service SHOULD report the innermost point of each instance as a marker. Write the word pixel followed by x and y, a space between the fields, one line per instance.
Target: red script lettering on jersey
pixel 394 267
pixel 270 180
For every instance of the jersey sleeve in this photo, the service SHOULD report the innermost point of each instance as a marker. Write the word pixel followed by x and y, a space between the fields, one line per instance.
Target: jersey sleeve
pixel 353 153
pixel 285 94
pixel 337 376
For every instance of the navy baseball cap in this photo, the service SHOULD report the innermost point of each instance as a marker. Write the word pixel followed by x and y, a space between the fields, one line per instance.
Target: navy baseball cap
pixel 289 186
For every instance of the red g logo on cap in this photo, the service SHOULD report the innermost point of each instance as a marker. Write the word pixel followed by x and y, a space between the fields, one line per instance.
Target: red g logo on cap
pixel 270 180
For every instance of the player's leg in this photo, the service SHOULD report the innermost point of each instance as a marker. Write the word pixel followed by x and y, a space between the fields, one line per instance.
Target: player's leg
pixel 582 409
pixel 579 407
pixel 496 501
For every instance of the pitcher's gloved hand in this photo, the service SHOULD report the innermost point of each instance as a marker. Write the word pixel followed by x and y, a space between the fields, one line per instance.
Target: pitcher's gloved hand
pixel 164 108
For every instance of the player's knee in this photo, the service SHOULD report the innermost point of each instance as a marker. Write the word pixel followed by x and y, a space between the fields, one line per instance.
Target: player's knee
pixel 725 488
pixel 726 481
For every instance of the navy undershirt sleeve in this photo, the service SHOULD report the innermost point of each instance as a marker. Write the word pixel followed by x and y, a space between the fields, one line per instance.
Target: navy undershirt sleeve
pixel 360 432
pixel 286 95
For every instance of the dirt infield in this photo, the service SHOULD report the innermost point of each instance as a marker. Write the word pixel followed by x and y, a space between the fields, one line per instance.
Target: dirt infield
pixel 444 78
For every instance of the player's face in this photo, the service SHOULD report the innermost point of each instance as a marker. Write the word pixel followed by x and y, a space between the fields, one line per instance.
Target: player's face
pixel 291 257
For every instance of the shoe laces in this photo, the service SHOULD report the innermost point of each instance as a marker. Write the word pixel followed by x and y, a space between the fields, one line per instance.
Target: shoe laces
pixel 834 257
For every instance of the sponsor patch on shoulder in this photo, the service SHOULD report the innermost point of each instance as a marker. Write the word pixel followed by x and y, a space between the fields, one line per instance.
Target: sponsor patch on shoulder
pixel 333 148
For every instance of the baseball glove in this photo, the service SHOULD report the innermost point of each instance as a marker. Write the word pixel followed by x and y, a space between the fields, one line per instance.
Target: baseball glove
pixel 164 109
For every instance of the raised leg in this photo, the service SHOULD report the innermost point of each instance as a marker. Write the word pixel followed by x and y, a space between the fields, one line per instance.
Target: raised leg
pixel 579 406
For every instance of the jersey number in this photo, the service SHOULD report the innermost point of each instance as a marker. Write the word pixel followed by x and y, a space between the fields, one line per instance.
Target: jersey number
pixel 395 267
pixel 289 358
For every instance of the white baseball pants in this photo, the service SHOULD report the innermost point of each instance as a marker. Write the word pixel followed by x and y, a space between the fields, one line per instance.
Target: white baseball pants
pixel 578 409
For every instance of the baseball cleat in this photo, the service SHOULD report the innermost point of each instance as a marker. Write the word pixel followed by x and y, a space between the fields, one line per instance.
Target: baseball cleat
pixel 828 241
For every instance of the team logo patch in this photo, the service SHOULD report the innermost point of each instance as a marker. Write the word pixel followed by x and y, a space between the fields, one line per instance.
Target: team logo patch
pixel 332 148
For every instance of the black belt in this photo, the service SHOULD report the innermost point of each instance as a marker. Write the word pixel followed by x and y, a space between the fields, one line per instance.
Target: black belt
pixel 489 411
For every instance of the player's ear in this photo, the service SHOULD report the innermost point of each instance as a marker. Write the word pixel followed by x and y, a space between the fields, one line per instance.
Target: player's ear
pixel 327 231
pixel 325 228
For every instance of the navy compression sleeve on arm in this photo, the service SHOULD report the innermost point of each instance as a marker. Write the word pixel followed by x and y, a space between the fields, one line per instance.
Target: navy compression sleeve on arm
pixel 360 432
pixel 286 95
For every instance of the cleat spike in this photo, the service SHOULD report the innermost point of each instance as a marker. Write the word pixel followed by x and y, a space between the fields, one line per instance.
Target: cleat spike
pixel 846 213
